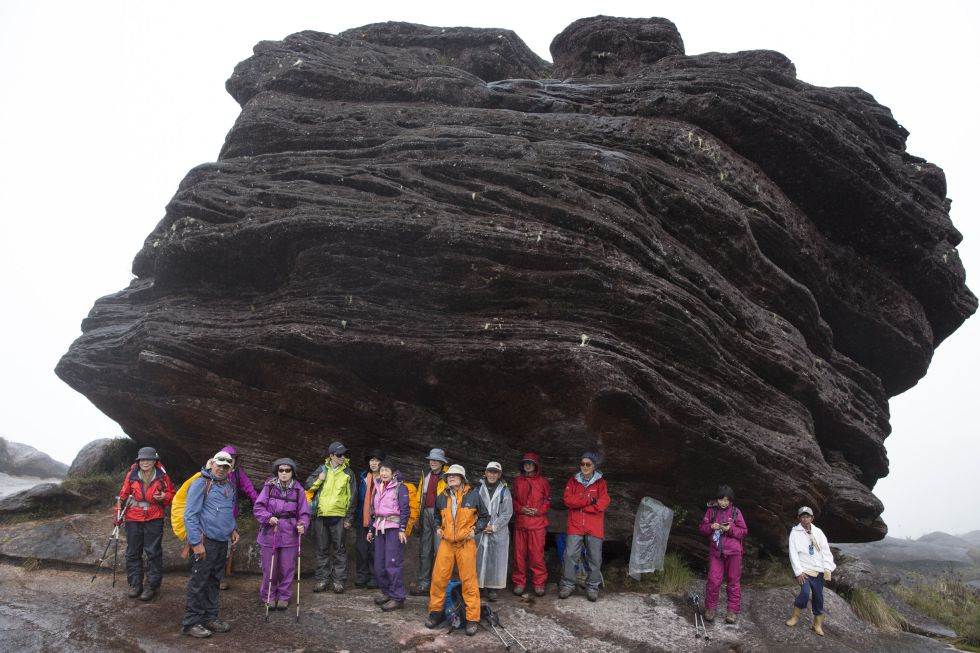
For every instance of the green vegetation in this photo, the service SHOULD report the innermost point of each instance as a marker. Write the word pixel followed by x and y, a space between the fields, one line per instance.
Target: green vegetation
pixel 950 601
pixel 675 577
pixel 767 572
pixel 870 607
pixel 104 487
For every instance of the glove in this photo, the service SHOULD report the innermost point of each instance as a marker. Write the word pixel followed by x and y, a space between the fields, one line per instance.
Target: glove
pixel 592 501
pixel 826 576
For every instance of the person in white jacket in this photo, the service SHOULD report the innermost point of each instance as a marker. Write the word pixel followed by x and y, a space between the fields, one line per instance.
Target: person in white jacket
pixel 809 553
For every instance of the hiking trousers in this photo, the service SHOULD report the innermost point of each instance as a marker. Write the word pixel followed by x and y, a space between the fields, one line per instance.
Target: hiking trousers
pixel 463 555
pixel 814 585
pixel 574 546
pixel 364 557
pixel 144 536
pixel 331 549
pixel 389 559
pixel 202 586
pixel 729 569
pixel 428 546
pixel 283 572
pixel 529 548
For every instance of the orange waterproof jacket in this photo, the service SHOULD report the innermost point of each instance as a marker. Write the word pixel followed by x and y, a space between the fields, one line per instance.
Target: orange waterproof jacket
pixel 143 507
pixel 471 514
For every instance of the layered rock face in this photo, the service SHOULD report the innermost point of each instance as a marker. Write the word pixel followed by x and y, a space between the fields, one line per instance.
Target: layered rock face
pixel 700 266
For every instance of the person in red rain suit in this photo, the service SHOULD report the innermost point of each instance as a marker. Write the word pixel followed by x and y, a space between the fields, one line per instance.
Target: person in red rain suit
pixel 532 499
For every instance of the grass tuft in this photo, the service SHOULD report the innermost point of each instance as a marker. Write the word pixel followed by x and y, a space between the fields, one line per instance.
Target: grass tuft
pixel 870 607
pixel 676 577
pixel 950 601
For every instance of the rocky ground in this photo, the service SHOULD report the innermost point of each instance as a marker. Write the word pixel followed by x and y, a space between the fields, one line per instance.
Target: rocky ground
pixel 62 610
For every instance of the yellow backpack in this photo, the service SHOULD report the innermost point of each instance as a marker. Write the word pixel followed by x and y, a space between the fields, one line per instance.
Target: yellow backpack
pixel 177 508
pixel 413 506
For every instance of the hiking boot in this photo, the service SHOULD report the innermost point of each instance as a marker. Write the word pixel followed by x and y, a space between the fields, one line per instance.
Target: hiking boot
pixel 420 591
pixel 148 594
pixel 217 626
pixel 795 617
pixel 320 587
pixel 381 599
pixel 564 592
pixel 471 627
pixel 592 595
pixel 731 618
pixel 539 591
pixel 492 596
pixel 282 605
pixel 709 615
pixel 392 604
pixel 435 618
pixel 223 585
pixel 371 584
pixel 134 591
pixel 519 590
pixel 197 630
pixel 338 588
pixel 818 624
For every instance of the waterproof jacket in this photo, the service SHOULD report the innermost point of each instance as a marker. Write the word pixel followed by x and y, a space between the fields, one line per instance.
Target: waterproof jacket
pixel 440 486
pixel 241 481
pixel 365 496
pixel 289 505
pixel 804 562
pixel 585 517
pixel 730 542
pixel 335 496
pixel 471 514
pixel 492 549
pixel 143 507
pixel 534 491
pixel 210 509
pixel 391 508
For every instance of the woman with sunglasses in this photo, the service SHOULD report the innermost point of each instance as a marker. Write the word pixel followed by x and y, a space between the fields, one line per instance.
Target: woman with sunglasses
pixel 587 500
pixel 812 560
pixel 284 515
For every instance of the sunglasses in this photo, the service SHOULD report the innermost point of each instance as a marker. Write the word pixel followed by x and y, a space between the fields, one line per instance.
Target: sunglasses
pixel 585 464
pixel 284 470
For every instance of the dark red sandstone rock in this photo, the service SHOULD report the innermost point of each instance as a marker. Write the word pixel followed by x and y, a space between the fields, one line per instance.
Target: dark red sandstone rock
pixel 701 267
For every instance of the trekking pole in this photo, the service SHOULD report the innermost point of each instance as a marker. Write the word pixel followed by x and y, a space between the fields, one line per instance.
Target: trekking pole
pixel 272 570
pixel 299 553
pixel 114 536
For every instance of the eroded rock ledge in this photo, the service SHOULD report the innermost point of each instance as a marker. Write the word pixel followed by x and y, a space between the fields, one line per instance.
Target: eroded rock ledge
pixel 701 266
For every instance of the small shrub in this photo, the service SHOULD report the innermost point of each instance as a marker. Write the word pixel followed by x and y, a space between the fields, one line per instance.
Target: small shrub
pixel 104 487
pixel 768 572
pixel 870 607
pixel 676 577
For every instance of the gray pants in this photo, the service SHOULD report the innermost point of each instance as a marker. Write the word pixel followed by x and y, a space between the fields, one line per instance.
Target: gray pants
pixel 428 546
pixel 331 549
pixel 574 544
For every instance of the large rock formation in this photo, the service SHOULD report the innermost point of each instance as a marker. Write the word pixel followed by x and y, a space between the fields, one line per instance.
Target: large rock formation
pixel 700 266
pixel 19 459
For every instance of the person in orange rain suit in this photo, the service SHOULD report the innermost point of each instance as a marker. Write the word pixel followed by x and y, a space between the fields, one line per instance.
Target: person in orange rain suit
pixel 460 513
pixel 532 499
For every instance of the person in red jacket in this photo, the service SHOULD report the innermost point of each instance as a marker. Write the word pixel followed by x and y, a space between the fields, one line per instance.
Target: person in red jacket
pixel 145 492
pixel 532 499
pixel 587 499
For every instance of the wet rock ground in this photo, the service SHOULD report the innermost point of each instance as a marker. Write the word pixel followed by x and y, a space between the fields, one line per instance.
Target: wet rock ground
pixel 59 609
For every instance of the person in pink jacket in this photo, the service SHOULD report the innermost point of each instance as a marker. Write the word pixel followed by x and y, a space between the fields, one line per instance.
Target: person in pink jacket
pixel 725 526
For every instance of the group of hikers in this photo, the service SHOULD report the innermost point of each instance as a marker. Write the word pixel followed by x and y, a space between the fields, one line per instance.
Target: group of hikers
pixel 462 526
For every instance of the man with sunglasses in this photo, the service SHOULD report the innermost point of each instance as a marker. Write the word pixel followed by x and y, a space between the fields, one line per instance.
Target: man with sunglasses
pixel 587 500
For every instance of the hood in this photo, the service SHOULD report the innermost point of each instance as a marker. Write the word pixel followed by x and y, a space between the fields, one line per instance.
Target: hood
pixel 231 451
pixel 533 457
pixel 595 477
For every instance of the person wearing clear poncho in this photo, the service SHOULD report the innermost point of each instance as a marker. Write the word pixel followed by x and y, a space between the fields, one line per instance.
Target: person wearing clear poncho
pixel 493 542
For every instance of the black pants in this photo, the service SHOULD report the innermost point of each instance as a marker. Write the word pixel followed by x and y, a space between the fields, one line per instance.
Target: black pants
pixel 202 587
pixel 364 551
pixel 144 536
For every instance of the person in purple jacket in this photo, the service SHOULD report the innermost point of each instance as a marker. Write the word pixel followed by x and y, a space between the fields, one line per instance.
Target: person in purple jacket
pixel 283 515
pixel 390 513
pixel 726 527
pixel 243 485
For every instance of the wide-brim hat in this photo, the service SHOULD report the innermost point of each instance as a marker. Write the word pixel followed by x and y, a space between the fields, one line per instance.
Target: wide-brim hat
pixel 458 470
pixel 147 453
pixel 437 454
pixel 374 453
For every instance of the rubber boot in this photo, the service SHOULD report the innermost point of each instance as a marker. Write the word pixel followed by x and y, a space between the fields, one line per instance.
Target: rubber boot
pixel 795 618
pixel 818 624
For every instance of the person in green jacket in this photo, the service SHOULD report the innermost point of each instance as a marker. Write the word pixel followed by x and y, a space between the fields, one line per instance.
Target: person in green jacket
pixel 334 501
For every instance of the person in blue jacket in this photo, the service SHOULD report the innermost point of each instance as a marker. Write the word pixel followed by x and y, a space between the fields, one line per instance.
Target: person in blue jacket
pixel 209 518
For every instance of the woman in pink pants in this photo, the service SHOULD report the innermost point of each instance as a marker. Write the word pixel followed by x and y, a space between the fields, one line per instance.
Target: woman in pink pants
pixel 724 525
